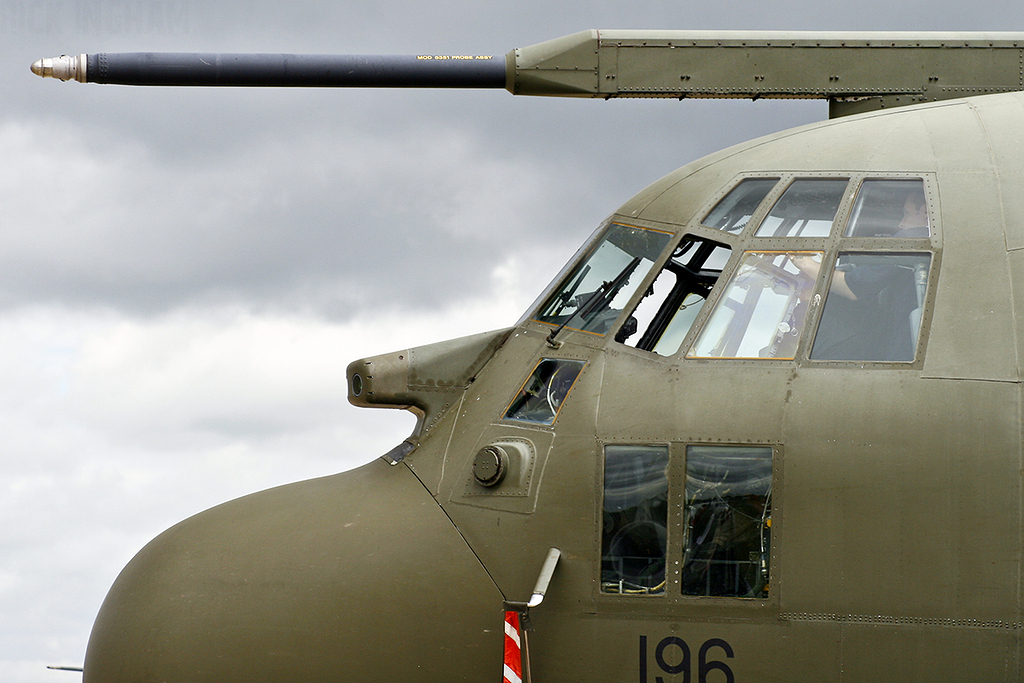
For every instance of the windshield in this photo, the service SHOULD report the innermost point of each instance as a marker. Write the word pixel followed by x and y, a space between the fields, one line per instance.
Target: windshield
pixel 763 310
pixel 593 294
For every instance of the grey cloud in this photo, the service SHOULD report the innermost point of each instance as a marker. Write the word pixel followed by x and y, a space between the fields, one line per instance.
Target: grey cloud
pixel 123 205
pixel 327 198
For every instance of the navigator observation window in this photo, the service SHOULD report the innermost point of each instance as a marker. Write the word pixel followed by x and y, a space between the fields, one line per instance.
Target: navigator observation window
pixel 542 395
pixel 593 294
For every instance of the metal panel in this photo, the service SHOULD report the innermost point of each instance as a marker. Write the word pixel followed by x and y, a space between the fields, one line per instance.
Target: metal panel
pixel 856 71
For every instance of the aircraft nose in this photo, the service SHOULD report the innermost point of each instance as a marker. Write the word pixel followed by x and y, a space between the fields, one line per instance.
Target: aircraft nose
pixel 355 577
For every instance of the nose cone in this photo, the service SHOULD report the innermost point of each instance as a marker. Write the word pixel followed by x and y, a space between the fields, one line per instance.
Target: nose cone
pixel 355 577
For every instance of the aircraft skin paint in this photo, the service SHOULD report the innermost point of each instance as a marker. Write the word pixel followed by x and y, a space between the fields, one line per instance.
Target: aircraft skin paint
pixel 896 519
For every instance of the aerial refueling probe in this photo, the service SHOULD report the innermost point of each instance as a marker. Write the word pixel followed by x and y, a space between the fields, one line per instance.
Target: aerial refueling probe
pixel 853 71
pixel 277 70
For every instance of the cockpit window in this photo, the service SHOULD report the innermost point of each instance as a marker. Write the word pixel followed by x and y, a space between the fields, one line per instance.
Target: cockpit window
pixel 733 212
pixel 835 266
pixel 591 297
pixel 663 318
pixel 890 208
pixel 806 209
pixel 873 308
pixel 634 520
pixel 763 309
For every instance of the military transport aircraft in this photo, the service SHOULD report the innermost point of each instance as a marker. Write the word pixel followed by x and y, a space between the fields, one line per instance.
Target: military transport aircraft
pixel 764 426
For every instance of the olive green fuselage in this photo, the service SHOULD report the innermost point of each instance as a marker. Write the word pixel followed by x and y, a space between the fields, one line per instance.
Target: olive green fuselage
pixel 896 486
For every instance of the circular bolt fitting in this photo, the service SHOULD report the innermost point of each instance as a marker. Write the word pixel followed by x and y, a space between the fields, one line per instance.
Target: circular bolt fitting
pixel 490 465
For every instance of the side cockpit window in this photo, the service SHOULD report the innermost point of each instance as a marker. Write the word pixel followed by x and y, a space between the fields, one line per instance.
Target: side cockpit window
pixel 876 300
pixel 806 209
pixel 837 284
pixel 873 309
pixel 736 209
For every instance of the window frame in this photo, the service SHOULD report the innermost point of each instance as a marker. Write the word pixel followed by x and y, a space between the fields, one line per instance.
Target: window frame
pixel 672 600
pixel 831 245
pixel 583 255
pixel 643 337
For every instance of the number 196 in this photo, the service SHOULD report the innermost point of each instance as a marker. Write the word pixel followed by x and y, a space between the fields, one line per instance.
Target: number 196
pixel 672 656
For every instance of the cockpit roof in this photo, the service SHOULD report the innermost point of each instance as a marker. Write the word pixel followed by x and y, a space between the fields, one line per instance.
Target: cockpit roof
pixel 967 136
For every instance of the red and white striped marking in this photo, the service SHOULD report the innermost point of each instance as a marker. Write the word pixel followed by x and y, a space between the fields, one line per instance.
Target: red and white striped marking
pixel 513 672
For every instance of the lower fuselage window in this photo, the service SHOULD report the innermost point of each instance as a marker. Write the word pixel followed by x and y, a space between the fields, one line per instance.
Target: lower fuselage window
pixel 728 521
pixel 634 519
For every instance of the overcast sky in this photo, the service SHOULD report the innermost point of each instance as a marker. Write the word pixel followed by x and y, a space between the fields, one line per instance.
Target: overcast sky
pixel 185 273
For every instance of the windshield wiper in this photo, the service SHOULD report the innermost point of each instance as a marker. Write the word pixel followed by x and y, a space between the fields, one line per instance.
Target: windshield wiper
pixel 597 300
